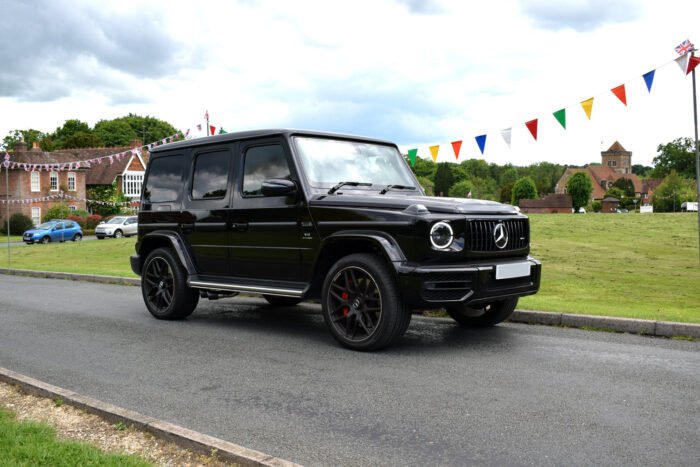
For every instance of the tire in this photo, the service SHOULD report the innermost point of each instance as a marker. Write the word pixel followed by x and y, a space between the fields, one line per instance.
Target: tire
pixel 361 304
pixel 489 314
pixel 45 240
pixel 164 287
pixel 281 301
pixel 118 234
pixel 100 238
pixel 77 237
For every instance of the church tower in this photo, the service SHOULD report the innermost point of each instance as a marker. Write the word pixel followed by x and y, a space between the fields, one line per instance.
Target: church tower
pixel 617 158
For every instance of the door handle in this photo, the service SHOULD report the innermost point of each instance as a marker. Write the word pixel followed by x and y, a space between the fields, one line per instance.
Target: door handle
pixel 239 226
pixel 187 228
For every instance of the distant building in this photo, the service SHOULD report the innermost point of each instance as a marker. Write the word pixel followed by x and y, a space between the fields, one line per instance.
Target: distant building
pixel 550 204
pixel 616 164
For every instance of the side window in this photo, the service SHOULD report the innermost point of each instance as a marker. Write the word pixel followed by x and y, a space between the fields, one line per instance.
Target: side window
pixel 263 163
pixel 210 175
pixel 164 179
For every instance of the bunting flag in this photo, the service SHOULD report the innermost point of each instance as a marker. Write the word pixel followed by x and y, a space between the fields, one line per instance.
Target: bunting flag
pixel 532 126
pixel 692 63
pixel 63 196
pixel 506 135
pixel 620 93
pixel 456 147
pixel 213 129
pixel 587 107
pixel 560 115
pixel 481 141
pixel 682 62
pixel 434 151
pixel 684 47
pixel 412 153
pixel 649 79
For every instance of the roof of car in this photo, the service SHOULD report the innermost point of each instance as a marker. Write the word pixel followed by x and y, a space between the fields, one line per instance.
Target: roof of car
pixel 241 135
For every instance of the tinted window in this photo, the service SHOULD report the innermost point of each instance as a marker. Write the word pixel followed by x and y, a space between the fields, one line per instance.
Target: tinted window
pixel 210 175
pixel 164 179
pixel 263 163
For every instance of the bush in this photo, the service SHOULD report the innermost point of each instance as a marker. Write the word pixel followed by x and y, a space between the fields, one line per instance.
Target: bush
pixel 92 221
pixel 18 224
pixel 57 211
pixel 597 206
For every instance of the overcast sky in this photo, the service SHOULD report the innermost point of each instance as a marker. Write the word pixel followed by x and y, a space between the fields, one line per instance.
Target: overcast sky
pixel 415 72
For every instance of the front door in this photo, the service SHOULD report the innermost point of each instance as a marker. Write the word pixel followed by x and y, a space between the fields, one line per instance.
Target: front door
pixel 265 236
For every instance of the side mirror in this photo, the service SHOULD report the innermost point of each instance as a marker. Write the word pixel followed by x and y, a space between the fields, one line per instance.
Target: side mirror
pixel 102 222
pixel 278 187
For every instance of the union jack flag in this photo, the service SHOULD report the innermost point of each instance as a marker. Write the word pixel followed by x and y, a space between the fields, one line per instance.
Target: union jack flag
pixel 206 115
pixel 684 47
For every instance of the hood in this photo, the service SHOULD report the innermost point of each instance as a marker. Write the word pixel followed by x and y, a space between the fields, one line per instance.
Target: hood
pixel 401 202
pixel 35 231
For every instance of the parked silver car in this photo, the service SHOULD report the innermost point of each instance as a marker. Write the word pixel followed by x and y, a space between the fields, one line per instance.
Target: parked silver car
pixel 117 227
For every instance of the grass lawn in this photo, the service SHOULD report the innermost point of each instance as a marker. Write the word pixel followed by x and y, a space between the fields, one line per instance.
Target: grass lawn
pixel 29 444
pixel 629 265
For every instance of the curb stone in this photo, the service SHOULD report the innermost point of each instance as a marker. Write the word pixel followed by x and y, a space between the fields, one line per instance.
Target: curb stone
pixel 183 437
pixel 628 325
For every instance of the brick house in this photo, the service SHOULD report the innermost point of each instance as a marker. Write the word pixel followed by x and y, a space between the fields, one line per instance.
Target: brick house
pixel 33 191
pixel 549 204
pixel 616 164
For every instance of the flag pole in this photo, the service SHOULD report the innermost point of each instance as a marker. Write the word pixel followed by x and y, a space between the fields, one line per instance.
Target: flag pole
pixel 697 147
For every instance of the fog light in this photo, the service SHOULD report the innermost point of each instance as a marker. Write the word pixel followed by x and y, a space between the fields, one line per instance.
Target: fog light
pixel 441 235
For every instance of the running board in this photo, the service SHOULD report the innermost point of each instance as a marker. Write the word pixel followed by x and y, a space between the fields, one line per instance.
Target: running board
pixel 256 289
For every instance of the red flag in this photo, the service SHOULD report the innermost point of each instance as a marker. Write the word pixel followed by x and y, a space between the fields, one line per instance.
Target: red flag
pixel 456 146
pixel 532 126
pixel 692 63
pixel 213 129
pixel 620 93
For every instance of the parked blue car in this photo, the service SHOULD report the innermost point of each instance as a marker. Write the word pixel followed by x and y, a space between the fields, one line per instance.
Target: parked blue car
pixel 56 230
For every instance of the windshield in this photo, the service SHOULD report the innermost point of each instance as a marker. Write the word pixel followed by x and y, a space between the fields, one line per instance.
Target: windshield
pixel 46 226
pixel 328 162
pixel 116 220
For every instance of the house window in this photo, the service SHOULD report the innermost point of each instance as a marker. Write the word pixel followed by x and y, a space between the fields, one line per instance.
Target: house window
pixel 131 184
pixel 73 208
pixel 612 163
pixel 71 181
pixel 53 180
pixel 36 215
pixel 35 181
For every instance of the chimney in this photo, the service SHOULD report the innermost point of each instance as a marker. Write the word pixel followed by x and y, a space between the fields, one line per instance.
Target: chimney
pixel 35 146
pixel 20 146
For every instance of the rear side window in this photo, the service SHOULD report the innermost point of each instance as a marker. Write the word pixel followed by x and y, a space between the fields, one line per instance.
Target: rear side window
pixel 210 176
pixel 164 179
pixel 263 163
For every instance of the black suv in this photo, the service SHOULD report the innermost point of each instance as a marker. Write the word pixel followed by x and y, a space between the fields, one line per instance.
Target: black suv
pixel 295 215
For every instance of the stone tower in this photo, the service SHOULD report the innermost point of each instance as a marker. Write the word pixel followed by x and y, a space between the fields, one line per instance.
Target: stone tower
pixel 617 158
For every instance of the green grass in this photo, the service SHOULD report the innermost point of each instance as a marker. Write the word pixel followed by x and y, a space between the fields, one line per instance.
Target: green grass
pixel 628 265
pixel 109 257
pixel 35 444
pixel 13 238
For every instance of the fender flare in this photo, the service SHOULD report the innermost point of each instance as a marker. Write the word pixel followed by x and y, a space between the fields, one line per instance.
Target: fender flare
pixel 386 243
pixel 175 242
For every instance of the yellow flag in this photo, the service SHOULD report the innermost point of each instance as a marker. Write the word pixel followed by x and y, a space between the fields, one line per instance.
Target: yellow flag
pixel 587 107
pixel 434 151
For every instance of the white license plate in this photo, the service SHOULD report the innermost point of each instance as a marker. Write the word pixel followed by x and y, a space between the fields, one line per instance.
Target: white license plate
pixel 509 271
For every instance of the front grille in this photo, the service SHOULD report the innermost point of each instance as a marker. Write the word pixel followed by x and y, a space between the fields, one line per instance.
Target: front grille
pixel 481 234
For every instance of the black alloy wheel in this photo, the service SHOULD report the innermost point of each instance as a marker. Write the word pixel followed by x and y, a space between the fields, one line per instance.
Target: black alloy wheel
pixel 485 315
pixel 164 287
pixel 361 305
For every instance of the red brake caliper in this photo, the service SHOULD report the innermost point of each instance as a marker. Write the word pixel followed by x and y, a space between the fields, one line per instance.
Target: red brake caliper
pixel 345 296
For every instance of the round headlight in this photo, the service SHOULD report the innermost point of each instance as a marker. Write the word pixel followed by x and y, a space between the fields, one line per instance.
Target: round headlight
pixel 441 235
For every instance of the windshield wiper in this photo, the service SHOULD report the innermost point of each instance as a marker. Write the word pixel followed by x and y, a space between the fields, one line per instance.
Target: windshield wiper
pixel 396 187
pixel 342 184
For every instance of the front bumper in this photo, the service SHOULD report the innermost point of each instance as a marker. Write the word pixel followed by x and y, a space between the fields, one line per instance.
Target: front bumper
pixel 472 283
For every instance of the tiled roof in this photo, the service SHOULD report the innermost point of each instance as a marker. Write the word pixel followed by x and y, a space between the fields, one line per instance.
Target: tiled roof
pixel 616 147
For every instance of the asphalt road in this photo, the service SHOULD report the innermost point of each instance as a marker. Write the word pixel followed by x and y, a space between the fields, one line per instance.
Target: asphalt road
pixel 274 380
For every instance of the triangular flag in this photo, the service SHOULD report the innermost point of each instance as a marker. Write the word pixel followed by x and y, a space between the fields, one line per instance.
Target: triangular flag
pixel 456 147
pixel 213 129
pixel 694 61
pixel 649 79
pixel 587 107
pixel 481 141
pixel 532 126
pixel 682 62
pixel 506 135
pixel 434 151
pixel 560 115
pixel 412 153
pixel 620 93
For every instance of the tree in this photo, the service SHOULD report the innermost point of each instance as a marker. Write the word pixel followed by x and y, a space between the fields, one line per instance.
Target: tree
pixel 73 134
pixel 524 188
pixel 443 179
pixel 546 175
pixel 626 185
pixel 461 189
pixel 428 185
pixel 115 132
pixel 424 168
pixel 580 187
pixel 678 155
pixel 641 170
pixel 148 129
pixel 57 211
pixel 30 137
pixel 672 192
